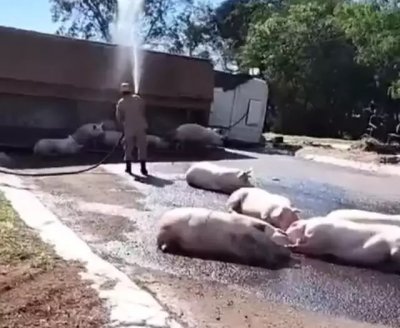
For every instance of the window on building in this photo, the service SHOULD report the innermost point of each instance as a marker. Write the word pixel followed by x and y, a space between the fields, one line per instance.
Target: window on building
pixel 254 112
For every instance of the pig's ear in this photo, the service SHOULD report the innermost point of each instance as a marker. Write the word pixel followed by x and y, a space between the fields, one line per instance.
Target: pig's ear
pixel 260 226
pixel 296 210
pixel 244 175
pixel 249 172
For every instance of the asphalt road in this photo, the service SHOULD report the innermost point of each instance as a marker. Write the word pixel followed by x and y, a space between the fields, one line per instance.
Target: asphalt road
pixel 361 294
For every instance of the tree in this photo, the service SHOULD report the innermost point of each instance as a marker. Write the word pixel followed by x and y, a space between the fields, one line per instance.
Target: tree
pixel 394 90
pixel 230 23
pixel 190 32
pixel 91 19
pixel 303 51
pixel 374 29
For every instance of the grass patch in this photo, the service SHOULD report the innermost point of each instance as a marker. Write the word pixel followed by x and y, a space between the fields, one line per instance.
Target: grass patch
pixel 18 243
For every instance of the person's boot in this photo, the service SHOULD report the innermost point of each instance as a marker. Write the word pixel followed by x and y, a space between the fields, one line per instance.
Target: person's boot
pixel 143 168
pixel 128 168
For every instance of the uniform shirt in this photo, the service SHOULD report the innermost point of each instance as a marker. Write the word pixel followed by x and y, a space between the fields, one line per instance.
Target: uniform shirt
pixel 130 113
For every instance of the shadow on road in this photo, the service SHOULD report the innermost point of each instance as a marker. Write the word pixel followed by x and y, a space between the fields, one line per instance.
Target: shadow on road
pixel 152 180
pixel 22 159
pixel 291 262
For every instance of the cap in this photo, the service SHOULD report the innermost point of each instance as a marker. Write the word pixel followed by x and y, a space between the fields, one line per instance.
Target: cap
pixel 125 87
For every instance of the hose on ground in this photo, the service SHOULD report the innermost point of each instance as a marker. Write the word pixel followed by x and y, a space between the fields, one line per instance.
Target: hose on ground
pixel 52 174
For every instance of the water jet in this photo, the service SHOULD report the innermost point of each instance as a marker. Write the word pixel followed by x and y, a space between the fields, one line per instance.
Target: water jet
pixel 126 33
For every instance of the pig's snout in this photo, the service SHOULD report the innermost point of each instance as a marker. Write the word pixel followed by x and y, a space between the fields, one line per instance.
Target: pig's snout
pixel 296 231
pixel 167 241
pixel 280 238
pixel 281 257
pixel 288 217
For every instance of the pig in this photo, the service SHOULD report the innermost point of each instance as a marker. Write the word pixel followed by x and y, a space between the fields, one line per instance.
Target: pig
pixel 365 217
pixel 156 142
pixel 6 160
pixel 88 132
pixel 195 133
pixel 215 235
pixel 350 242
pixel 56 147
pixel 274 209
pixel 111 138
pixel 71 145
pixel 218 178
pixel 109 125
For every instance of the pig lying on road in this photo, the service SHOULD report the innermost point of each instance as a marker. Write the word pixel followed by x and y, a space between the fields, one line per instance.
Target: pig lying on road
pixel 71 145
pixel 222 236
pixel 214 177
pixel 365 217
pixel 263 205
pixel 354 243
pixel 195 133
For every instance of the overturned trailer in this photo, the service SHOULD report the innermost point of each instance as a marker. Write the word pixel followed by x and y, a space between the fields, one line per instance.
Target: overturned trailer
pixel 50 85
pixel 239 107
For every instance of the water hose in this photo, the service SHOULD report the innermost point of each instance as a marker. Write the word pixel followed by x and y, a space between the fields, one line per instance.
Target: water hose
pixel 54 174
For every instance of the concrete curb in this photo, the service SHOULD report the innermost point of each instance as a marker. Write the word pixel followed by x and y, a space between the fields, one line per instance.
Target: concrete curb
pixel 130 306
pixel 386 169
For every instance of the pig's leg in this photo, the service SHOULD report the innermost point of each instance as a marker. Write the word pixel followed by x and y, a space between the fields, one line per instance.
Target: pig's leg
pixel 374 251
pixel 307 245
pixel 234 203
pixel 395 257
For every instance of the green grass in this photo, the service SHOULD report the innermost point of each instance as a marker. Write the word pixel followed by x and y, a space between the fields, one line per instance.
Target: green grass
pixel 18 243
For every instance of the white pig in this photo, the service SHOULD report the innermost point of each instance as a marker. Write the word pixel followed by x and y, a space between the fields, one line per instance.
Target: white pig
pixel 156 142
pixel 258 203
pixel 71 145
pixel 56 147
pixel 199 134
pixel 215 235
pixel 209 176
pixel 111 138
pixel 354 243
pixel 365 217
pixel 88 132
pixel 109 125
pixel 6 160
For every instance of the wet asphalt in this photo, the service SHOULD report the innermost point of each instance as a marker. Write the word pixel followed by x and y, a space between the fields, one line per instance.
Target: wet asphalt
pixel 356 293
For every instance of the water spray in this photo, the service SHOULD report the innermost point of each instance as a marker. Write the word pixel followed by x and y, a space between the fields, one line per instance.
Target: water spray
pixel 126 33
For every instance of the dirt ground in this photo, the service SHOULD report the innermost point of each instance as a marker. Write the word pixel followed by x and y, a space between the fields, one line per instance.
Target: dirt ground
pixel 336 148
pixel 38 289
pixel 350 154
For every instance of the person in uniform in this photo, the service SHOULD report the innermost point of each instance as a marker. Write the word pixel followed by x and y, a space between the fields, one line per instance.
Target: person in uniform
pixel 130 114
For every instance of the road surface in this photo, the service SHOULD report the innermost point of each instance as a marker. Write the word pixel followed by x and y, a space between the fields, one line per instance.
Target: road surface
pixel 116 215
